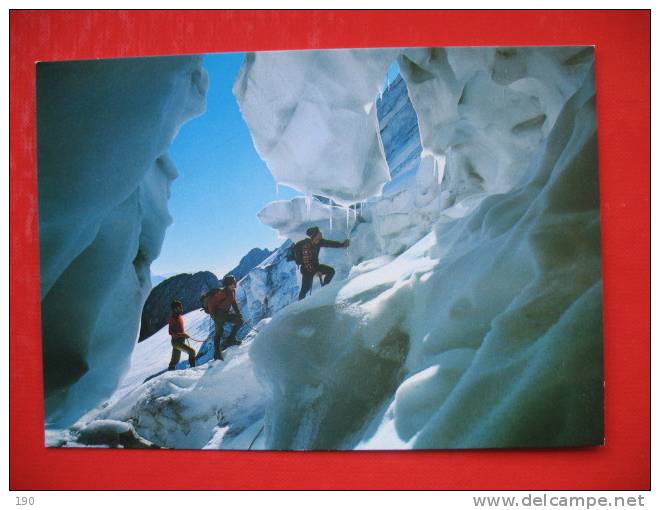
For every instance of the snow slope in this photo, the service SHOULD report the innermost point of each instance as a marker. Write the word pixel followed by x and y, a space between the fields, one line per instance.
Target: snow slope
pixel 104 130
pixel 216 405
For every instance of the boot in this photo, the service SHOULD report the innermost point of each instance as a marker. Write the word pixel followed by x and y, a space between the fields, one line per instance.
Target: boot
pixel 192 361
pixel 217 350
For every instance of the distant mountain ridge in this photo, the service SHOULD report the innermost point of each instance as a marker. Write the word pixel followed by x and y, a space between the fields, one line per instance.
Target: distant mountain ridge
pixel 250 260
pixel 188 288
pixel 185 287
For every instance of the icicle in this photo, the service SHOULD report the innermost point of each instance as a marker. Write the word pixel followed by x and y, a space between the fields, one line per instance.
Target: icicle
pixel 308 204
pixel 348 212
pixel 277 189
pixel 330 217
pixel 439 167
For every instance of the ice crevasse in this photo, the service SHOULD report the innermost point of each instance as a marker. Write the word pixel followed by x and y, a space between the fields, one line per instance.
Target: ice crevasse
pixel 104 130
pixel 471 312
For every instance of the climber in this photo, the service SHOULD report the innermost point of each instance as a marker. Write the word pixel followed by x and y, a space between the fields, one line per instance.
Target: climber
pixel 308 256
pixel 219 305
pixel 179 337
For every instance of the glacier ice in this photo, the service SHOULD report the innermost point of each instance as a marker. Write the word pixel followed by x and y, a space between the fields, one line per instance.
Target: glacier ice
pixel 268 287
pixel 487 109
pixel 466 312
pixel 104 129
pixel 313 119
pixel 218 405
pixel 292 218
pixel 471 314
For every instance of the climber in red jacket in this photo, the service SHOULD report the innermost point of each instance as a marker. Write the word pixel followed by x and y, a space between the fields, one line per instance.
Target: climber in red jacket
pixel 219 305
pixel 179 337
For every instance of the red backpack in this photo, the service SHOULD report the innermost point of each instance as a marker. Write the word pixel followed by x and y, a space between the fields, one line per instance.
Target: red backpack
pixel 205 298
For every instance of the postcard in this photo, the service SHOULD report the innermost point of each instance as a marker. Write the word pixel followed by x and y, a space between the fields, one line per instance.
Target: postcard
pixel 349 249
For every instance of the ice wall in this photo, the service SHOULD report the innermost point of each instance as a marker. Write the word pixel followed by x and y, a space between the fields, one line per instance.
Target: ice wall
pixel 104 130
pixel 268 287
pixel 313 119
pixel 483 327
pixel 486 110
pixel 292 218
pixel 399 130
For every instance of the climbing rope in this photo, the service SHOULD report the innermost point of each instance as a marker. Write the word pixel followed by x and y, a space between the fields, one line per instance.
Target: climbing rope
pixel 203 341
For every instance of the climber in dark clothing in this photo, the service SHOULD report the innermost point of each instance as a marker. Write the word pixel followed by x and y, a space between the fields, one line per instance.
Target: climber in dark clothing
pixel 179 337
pixel 219 305
pixel 310 266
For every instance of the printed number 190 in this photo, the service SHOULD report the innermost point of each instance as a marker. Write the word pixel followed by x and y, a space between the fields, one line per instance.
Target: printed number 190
pixel 22 501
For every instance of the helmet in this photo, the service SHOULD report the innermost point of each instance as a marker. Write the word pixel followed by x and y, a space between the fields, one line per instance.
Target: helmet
pixel 312 231
pixel 228 280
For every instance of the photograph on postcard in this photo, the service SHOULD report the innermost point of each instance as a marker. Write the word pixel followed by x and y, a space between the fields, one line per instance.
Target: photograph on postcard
pixel 373 249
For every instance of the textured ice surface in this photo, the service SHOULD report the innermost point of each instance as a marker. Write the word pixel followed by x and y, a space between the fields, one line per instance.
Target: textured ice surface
pixel 292 218
pixel 399 131
pixel 104 129
pixel 268 287
pixel 476 323
pixel 487 109
pixel 313 119
pixel 216 405
pixel 468 311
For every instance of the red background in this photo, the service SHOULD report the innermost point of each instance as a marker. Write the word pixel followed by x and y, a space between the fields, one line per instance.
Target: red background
pixel 622 40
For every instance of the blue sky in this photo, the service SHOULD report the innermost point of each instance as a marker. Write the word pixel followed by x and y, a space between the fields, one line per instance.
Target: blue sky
pixel 222 184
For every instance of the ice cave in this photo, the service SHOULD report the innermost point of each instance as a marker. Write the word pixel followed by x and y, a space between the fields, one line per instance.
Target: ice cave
pixel 467 312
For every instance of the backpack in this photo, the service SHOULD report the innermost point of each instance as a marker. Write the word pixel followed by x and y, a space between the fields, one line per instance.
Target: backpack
pixel 298 250
pixel 295 253
pixel 205 297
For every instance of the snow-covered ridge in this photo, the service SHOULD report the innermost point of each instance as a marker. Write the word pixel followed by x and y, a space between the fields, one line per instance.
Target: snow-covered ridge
pixel 250 260
pixel 104 130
